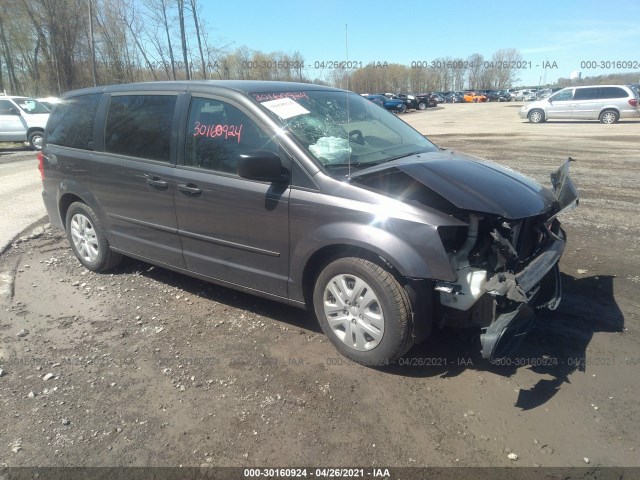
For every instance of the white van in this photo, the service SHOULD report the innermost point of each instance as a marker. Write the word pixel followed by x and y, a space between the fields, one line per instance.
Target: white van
pixel 22 119
pixel 607 103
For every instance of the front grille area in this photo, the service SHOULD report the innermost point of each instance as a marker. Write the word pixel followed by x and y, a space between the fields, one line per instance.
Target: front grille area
pixel 531 236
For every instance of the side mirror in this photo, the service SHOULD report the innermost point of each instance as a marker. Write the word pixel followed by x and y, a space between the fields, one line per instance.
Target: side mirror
pixel 262 165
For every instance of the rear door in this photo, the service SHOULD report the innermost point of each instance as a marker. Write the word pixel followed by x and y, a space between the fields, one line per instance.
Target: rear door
pixel 232 229
pixel 587 103
pixel 132 174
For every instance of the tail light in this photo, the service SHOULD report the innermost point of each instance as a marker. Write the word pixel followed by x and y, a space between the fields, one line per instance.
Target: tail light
pixel 633 102
pixel 41 164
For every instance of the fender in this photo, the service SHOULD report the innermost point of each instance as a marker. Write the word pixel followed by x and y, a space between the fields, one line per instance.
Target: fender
pixel 78 189
pixel 419 253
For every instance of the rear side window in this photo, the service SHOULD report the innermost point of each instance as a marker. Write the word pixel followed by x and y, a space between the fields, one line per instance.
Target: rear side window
pixel 140 126
pixel 613 92
pixel 71 122
pixel 586 94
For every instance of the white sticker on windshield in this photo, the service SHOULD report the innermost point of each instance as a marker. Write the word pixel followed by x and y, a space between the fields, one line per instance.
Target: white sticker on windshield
pixel 285 108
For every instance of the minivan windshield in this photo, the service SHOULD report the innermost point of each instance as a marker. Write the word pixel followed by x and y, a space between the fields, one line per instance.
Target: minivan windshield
pixel 30 105
pixel 343 129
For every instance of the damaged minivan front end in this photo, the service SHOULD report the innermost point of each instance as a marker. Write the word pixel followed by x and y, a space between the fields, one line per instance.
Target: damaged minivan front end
pixel 405 235
pixel 505 261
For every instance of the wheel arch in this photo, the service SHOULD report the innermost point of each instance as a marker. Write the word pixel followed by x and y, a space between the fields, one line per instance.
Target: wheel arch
pixel 71 192
pixel 35 129
pixel 325 255
pixel 65 202
pixel 420 256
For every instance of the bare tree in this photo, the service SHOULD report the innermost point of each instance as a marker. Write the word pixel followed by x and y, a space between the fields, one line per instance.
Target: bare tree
pixel 505 61
pixel 476 67
pixel 183 39
pixel 8 58
pixel 194 12
pixel 158 10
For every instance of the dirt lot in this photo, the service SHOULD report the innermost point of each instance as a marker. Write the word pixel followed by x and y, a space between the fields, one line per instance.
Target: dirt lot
pixel 146 367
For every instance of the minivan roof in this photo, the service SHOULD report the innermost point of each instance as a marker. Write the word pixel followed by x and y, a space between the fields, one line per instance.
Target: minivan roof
pixel 244 86
pixel 596 86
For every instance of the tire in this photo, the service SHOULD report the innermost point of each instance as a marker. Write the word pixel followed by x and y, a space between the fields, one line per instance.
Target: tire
pixel 609 117
pixel 87 239
pixel 422 106
pixel 363 310
pixel 35 139
pixel 536 116
pixel 403 108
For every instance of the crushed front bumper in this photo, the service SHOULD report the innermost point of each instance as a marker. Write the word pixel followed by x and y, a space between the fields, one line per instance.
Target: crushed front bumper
pixel 538 285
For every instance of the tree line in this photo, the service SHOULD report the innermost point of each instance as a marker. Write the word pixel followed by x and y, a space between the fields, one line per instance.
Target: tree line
pixel 48 47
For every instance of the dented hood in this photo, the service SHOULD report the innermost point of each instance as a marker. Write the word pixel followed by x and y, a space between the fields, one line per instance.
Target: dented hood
pixel 470 183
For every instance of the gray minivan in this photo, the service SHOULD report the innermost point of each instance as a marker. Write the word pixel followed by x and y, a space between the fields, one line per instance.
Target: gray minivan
pixel 307 195
pixel 607 103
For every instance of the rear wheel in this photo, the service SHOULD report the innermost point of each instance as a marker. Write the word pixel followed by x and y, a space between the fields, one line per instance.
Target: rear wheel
pixel 35 139
pixel 609 117
pixel 363 310
pixel 87 239
pixel 422 106
pixel 536 116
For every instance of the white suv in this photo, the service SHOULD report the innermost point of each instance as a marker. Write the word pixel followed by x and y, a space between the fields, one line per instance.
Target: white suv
pixel 607 103
pixel 22 119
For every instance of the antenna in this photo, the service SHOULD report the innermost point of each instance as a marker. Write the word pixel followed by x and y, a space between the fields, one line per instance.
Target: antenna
pixel 346 48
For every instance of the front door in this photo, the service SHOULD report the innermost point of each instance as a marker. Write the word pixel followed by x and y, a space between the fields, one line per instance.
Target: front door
pixel 232 229
pixel 12 126
pixel 560 105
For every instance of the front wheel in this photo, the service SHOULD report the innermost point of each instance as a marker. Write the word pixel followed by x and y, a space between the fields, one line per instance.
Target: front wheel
pixel 422 106
pixel 363 310
pixel 87 239
pixel 536 116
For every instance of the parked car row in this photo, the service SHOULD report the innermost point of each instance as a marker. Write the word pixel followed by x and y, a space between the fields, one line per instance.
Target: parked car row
pixel 606 103
pixel 402 102
pixel 474 96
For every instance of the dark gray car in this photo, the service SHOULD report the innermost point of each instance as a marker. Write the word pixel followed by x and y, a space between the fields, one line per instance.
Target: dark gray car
pixel 308 195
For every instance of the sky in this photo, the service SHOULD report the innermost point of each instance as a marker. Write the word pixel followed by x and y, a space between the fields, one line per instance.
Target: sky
pixel 566 36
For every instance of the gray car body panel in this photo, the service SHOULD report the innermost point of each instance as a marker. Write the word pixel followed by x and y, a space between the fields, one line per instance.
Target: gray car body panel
pixel 473 184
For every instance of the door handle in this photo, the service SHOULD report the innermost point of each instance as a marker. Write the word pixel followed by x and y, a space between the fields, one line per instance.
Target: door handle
pixel 157 183
pixel 190 189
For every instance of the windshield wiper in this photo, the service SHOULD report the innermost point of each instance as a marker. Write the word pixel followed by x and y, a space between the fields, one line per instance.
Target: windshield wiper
pixel 352 164
pixel 401 156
